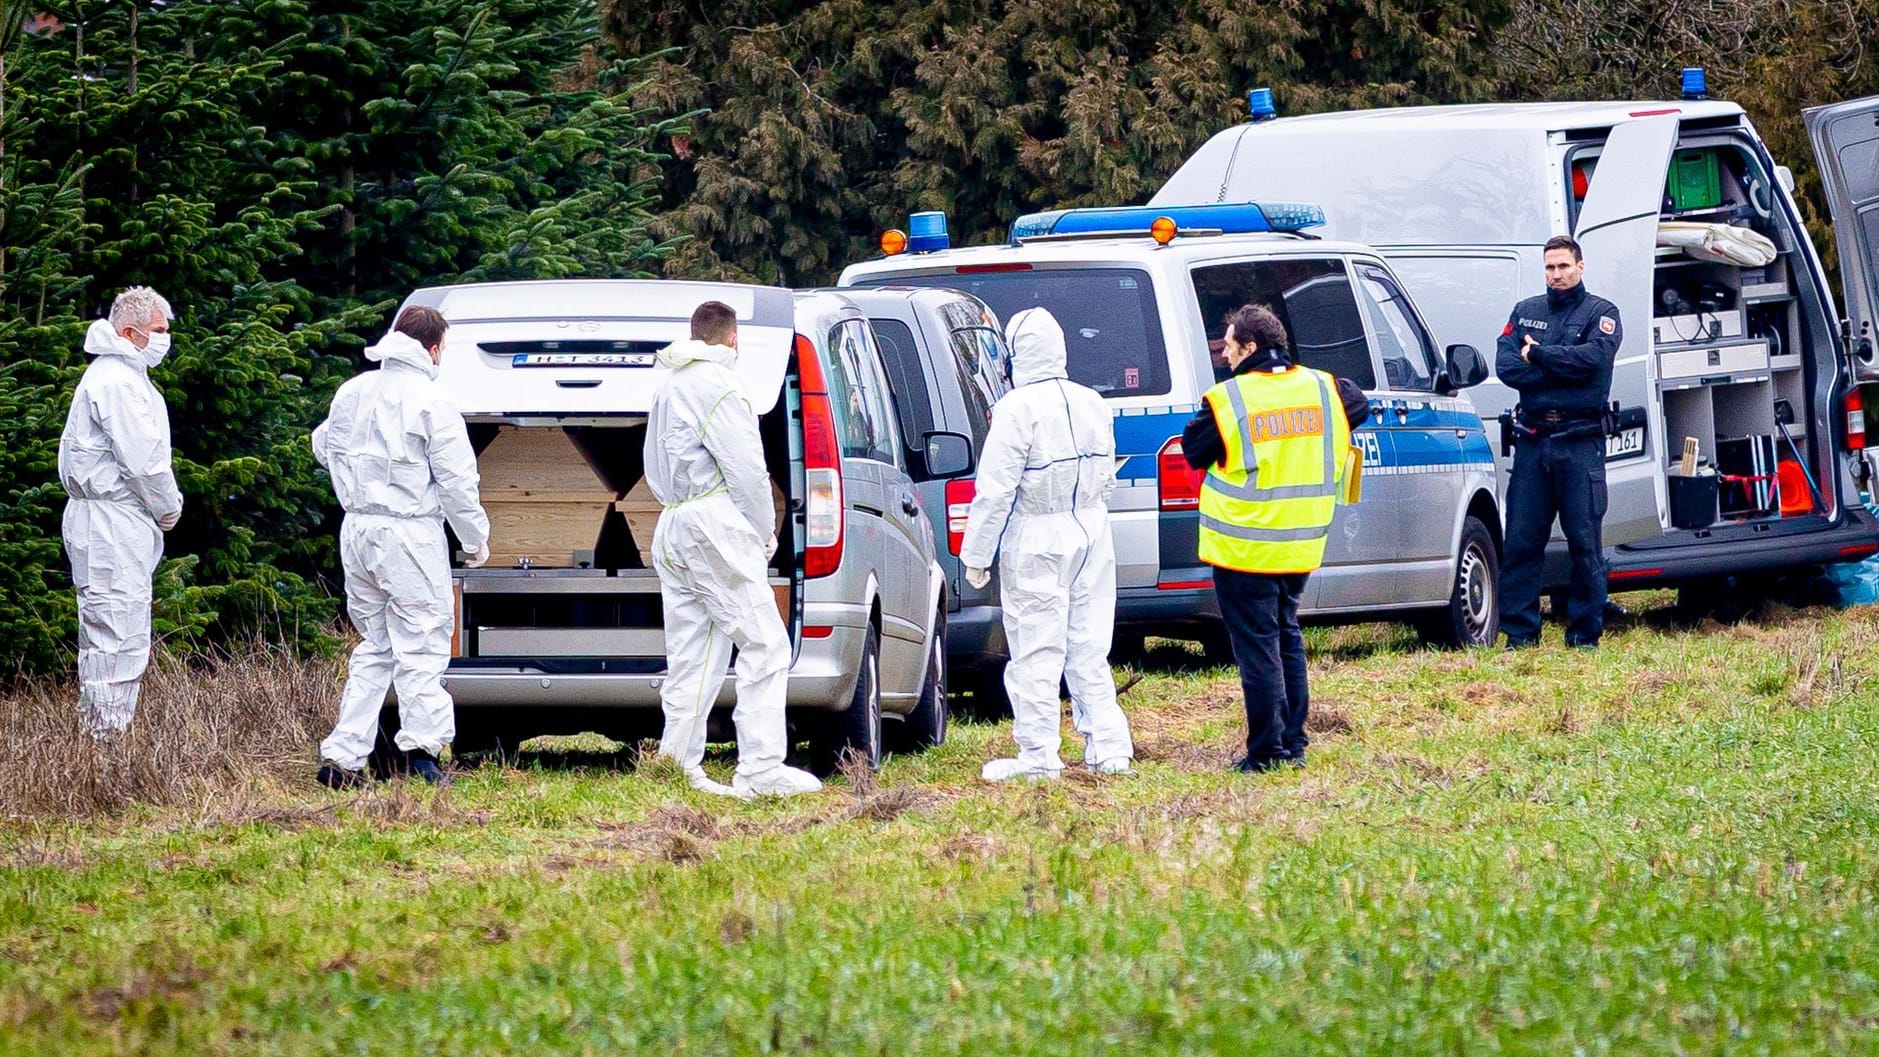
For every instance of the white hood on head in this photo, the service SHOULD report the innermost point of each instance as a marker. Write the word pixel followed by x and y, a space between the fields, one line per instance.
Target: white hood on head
pixel 398 347
pixel 691 350
pixel 1037 350
pixel 101 340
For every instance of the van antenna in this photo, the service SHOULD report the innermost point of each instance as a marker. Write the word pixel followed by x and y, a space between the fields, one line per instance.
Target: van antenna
pixel 1226 177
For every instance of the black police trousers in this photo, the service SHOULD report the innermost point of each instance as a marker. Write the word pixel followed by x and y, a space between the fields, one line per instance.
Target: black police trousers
pixel 1563 479
pixel 1260 611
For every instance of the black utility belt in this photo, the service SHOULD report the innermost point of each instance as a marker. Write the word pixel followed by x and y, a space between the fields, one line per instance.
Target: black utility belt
pixel 1517 424
pixel 1549 427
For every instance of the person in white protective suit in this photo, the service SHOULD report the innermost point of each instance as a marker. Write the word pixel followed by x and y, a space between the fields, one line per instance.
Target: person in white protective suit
pixel 114 461
pixel 716 535
pixel 1042 508
pixel 401 464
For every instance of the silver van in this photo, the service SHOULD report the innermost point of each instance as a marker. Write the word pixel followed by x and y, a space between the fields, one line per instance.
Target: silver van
pixel 947 364
pixel 1144 320
pixel 1748 363
pixel 563 631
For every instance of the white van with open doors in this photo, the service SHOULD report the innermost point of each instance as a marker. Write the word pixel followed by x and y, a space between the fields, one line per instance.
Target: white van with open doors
pixel 1750 362
pixel 563 631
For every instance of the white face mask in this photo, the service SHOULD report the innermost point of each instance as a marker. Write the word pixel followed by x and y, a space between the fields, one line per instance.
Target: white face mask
pixel 157 348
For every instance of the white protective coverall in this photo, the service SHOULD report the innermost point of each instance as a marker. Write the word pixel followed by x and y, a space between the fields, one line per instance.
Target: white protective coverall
pixel 1042 507
pixel 716 533
pixel 114 461
pixel 401 463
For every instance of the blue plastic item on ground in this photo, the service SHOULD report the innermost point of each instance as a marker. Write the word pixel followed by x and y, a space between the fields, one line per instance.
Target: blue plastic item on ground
pixel 1856 583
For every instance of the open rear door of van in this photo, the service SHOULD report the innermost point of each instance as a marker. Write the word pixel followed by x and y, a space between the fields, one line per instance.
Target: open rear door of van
pixel 1846 144
pixel 1618 232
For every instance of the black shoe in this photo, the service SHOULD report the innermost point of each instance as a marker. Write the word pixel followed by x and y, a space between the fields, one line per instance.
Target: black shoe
pixel 333 776
pixel 1582 644
pixel 1296 759
pixel 423 765
pixel 1248 765
pixel 1522 644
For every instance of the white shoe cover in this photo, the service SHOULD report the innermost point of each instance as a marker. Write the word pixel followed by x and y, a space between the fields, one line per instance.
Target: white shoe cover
pixel 702 782
pixel 1118 765
pixel 777 781
pixel 1005 770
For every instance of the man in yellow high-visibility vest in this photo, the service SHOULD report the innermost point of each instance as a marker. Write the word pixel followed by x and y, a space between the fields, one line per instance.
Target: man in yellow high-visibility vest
pixel 1273 440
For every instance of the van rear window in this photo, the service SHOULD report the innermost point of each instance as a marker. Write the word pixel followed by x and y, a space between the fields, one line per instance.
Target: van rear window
pixel 1111 326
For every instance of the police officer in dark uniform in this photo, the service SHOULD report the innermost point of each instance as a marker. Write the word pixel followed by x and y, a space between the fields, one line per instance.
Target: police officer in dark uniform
pixel 1556 352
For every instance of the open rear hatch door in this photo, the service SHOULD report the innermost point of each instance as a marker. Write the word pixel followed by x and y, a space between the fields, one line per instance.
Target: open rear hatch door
pixel 1618 232
pixel 1846 144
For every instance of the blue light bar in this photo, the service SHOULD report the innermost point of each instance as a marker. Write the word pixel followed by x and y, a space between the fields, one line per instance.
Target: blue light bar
pixel 1259 104
pixel 1230 218
pixel 1695 83
pixel 926 232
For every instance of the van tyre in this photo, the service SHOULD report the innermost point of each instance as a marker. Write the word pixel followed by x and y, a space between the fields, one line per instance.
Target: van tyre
pixel 925 726
pixel 857 727
pixel 1473 614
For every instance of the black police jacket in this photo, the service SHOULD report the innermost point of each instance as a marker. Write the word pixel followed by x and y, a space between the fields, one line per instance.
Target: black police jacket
pixel 1570 370
pixel 1201 444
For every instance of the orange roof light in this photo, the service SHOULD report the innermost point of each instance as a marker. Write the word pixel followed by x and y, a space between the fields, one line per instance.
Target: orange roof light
pixel 1162 230
pixel 893 242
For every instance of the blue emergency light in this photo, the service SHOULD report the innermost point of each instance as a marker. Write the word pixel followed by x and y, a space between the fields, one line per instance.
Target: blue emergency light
pixel 1259 105
pixel 926 232
pixel 1227 218
pixel 1695 83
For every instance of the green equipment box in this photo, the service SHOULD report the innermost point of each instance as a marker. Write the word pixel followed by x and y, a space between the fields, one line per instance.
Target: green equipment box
pixel 1695 180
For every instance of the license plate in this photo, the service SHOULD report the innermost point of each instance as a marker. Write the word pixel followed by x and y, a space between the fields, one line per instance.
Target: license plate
pixel 582 359
pixel 1627 442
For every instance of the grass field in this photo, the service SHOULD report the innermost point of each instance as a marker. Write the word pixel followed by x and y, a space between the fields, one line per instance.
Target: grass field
pixel 1669 846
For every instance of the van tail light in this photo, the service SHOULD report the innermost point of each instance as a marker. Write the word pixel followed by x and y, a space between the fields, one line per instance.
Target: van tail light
pixel 1855 420
pixel 822 468
pixel 1179 483
pixel 959 493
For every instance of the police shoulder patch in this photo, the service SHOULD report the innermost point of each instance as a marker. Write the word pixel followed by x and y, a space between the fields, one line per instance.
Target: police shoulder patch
pixel 1607 325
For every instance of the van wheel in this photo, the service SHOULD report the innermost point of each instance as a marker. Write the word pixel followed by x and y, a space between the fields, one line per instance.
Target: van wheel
pixel 1473 614
pixel 857 727
pixel 925 726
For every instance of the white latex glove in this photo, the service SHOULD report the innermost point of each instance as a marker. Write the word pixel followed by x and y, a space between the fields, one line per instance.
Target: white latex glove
pixel 168 521
pixel 477 560
pixel 978 577
pixel 769 548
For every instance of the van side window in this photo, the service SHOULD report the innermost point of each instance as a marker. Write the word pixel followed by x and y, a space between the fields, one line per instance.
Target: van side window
pixel 1400 338
pixel 1312 297
pixel 867 421
pixel 982 359
pixel 900 354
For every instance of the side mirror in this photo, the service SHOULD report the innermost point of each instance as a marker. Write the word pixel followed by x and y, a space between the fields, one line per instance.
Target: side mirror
pixel 1785 177
pixel 1466 367
pixel 948 455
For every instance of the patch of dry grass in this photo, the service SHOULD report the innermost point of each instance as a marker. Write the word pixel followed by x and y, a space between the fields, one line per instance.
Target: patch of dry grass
pixel 204 734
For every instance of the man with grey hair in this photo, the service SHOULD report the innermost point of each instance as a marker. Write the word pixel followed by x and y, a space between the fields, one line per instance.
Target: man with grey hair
pixel 114 461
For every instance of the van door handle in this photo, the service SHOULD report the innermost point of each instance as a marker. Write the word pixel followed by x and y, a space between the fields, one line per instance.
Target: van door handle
pixel 909 505
pixel 577 383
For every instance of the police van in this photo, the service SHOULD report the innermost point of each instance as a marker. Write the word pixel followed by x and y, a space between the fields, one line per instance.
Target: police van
pixel 1744 363
pixel 1142 296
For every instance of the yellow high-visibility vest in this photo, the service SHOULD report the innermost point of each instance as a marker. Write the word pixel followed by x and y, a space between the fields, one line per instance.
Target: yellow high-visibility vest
pixel 1268 508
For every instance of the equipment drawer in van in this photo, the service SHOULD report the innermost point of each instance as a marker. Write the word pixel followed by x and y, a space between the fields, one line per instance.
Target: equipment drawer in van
pixel 1720 360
